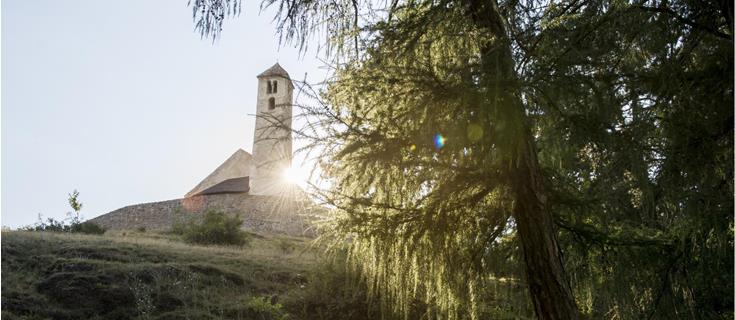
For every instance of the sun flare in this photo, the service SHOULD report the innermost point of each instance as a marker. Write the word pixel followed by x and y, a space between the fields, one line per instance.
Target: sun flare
pixel 294 175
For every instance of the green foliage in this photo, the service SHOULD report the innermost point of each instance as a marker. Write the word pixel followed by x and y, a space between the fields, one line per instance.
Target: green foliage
pixel 53 225
pixel 75 205
pixel 87 228
pixel 332 291
pixel 216 228
pixel 628 103
pixel 639 154
pixel 265 310
pixel 424 217
pixel 178 228
pixel 74 201
pixel 74 224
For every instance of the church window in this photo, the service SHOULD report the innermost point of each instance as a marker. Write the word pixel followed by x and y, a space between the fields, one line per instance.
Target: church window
pixel 275 86
pixel 270 89
pixel 271 103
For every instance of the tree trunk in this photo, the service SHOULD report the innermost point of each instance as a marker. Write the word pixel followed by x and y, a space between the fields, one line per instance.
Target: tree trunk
pixel 547 281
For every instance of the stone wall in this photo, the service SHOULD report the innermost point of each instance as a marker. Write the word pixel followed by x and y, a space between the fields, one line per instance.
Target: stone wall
pixel 262 214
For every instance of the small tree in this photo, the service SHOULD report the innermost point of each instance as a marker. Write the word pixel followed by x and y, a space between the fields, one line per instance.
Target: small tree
pixel 76 206
pixel 74 225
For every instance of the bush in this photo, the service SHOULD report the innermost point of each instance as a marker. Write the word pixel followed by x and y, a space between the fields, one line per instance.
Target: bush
pixel 53 225
pixel 216 228
pixel 72 224
pixel 87 228
pixel 179 228
pixel 264 309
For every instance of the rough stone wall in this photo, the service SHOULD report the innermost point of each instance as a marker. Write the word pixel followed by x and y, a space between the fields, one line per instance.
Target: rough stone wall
pixel 262 214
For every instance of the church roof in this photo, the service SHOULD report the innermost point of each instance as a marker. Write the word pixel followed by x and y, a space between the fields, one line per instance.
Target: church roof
pixel 234 185
pixel 236 166
pixel 275 70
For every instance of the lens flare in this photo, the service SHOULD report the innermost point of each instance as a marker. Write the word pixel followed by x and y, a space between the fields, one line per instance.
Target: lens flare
pixel 439 141
pixel 474 132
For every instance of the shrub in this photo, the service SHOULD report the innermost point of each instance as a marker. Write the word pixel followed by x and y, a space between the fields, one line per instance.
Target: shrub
pixel 87 228
pixel 179 228
pixel 73 223
pixel 216 228
pixel 264 309
pixel 53 225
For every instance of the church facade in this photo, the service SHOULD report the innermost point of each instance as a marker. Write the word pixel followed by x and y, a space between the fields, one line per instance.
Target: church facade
pixel 251 186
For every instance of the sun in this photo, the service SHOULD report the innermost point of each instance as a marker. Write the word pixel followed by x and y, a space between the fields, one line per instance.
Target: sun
pixel 294 175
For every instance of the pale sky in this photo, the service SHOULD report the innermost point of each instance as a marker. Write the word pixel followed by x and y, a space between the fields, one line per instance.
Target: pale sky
pixel 123 101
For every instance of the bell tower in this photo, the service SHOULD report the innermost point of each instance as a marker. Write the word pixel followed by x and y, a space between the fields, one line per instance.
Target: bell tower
pixel 272 139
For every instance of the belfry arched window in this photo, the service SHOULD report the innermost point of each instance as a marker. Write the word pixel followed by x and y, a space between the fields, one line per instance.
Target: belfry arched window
pixel 275 86
pixel 271 103
pixel 270 88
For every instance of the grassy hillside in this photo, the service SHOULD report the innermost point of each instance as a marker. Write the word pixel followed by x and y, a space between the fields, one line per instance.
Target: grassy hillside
pixel 142 275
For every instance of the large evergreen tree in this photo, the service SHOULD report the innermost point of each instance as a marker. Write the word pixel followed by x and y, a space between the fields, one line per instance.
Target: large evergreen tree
pixel 468 144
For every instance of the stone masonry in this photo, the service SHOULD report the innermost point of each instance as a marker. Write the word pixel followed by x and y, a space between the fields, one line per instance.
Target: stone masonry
pixel 260 214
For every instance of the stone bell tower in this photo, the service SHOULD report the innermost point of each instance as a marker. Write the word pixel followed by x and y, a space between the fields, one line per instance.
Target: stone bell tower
pixel 272 139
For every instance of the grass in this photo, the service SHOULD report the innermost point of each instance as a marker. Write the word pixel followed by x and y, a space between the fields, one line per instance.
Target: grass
pixel 143 275
pixel 146 275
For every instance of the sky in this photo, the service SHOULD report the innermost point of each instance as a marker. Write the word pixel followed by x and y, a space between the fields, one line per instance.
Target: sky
pixel 123 101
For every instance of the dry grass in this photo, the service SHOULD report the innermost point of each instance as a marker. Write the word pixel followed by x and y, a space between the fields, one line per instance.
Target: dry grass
pixel 148 275
pixel 264 248
pixel 145 275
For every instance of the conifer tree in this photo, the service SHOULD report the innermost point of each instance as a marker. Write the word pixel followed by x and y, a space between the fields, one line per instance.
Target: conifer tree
pixel 470 141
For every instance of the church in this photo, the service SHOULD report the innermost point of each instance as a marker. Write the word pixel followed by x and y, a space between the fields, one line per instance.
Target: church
pixel 249 185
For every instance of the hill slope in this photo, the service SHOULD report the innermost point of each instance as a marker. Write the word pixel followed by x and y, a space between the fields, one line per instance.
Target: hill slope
pixel 147 276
